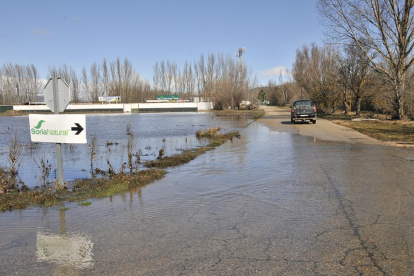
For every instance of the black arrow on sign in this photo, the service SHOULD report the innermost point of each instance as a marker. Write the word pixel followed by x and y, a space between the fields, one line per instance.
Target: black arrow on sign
pixel 78 128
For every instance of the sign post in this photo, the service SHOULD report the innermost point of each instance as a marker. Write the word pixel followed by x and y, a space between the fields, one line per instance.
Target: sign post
pixel 57 97
pixel 58 145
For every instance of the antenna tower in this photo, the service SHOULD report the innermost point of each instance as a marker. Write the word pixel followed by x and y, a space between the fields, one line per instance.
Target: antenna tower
pixel 239 54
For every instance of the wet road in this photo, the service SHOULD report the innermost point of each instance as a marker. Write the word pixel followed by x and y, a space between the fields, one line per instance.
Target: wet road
pixel 283 200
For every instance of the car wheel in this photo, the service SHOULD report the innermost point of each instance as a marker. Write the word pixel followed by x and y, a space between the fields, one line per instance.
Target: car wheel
pixel 314 121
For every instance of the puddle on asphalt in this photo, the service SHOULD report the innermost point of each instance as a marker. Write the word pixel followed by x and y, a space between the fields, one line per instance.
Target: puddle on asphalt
pixel 73 251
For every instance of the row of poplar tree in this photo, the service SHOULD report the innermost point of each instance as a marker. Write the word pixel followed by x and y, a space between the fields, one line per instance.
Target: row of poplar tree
pixel 218 78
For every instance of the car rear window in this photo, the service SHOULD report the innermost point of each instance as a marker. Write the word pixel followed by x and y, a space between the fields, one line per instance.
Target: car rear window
pixel 303 103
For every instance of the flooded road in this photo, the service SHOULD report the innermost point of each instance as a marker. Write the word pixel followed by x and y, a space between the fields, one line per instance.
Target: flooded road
pixel 273 202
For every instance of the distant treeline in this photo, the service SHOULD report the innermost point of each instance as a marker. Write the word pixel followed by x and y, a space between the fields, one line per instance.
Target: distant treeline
pixel 339 79
pixel 220 79
pixel 18 83
pixel 368 64
pixel 343 78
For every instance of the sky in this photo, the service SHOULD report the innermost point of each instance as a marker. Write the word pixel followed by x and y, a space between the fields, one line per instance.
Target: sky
pixel 78 33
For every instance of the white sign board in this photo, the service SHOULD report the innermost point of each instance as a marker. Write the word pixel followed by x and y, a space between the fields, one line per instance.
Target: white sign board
pixel 63 94
pixel 64 128
pixel 109 99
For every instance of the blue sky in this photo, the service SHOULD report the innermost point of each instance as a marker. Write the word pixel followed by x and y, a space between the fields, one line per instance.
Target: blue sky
pixel 79 33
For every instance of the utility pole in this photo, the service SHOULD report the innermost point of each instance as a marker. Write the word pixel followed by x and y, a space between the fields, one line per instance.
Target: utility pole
pixel 239 54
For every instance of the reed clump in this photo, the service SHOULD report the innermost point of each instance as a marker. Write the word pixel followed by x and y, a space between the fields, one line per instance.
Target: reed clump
pixel 215 139
pixel 209 133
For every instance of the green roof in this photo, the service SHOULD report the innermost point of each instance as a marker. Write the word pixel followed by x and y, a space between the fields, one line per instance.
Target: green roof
pixel 168 97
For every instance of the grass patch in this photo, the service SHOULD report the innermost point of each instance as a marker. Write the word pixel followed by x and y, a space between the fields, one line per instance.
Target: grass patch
pixel 64 208
pixel 100 187
pixel 82 190
pixel 11 113
pixel 338 116
pixel 84 203
pixel 21 200
pixel 253 114
pixel 383 130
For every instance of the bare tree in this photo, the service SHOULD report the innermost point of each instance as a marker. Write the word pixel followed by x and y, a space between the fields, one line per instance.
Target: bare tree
pixel 356 75
pixel 316 71
pixel 95 79
pixel 283 89
pixel 64 72
pixel 2 87
pixel 75 86
pixel 126 80
pixel 34 82
pixel 181 83
pixel 173 75
pixel 156 79
pixel 197 79
pixel 105 77
pixel 53 72
pixel 186 80
pixel 202 77
pixel 169 75
pixel 118 66
pixel 383 30
pixel 190 83
pixel 164 78
pixel 113 84
pixel 19 83
pixel 211 63
pixel 86 84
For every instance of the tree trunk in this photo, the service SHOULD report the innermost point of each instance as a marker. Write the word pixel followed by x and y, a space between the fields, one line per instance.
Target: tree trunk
pixel 358 106
pixel 346 105
pixel 398 102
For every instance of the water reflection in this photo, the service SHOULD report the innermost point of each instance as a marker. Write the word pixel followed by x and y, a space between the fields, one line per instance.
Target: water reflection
pixel 65 250
pixel 172 131
pixel 73 251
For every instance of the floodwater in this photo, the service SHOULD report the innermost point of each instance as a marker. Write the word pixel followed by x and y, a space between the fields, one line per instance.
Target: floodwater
pixel 269 203
pixel 172 131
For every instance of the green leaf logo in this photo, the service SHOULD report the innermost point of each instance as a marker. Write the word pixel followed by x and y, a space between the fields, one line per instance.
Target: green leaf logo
pixel 39 124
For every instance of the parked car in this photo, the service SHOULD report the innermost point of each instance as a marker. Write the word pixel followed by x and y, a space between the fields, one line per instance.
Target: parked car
pixel 303 110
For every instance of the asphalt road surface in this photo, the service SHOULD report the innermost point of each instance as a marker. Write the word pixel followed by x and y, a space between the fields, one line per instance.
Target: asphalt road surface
pixel 283 199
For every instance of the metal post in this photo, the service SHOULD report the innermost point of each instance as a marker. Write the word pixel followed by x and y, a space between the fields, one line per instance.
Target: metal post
pixel 58 145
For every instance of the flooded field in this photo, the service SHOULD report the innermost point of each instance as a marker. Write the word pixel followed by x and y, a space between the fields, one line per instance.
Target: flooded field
pixel 172 131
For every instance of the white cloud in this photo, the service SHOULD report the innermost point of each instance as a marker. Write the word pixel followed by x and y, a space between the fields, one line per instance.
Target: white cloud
pixel 275 72
pixel 40 32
